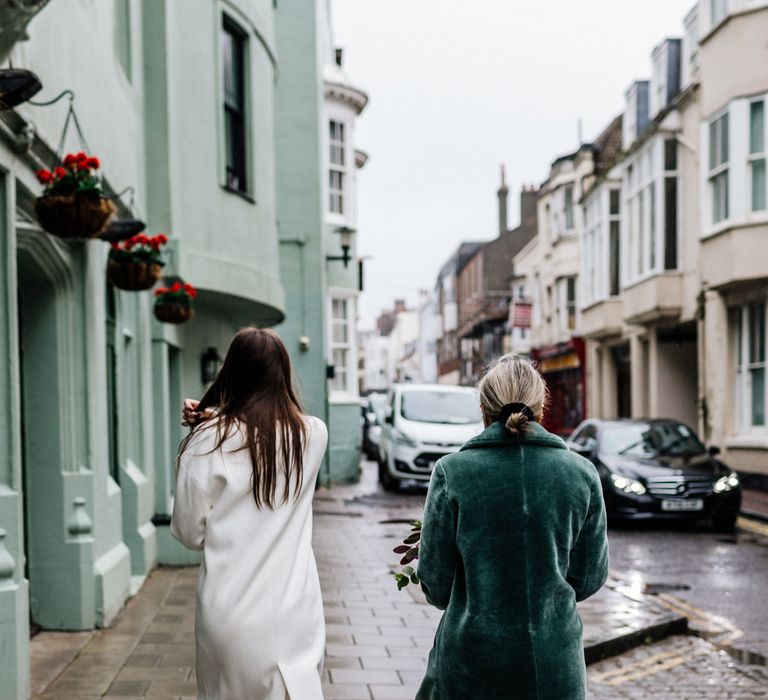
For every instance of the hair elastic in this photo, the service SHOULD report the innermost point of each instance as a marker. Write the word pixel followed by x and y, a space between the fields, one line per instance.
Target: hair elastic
pixel 510 408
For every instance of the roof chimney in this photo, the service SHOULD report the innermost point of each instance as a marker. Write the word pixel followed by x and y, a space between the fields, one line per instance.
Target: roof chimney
pixel 503 194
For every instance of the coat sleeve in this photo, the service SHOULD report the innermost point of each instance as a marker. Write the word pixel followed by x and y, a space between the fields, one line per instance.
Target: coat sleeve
pixel 438 555
pixel 588 566
pixel 193 501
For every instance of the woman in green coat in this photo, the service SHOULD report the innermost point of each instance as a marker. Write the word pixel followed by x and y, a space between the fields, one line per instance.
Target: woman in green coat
pixel 514 535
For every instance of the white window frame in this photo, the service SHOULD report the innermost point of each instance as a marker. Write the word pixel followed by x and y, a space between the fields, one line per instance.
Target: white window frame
pixel 592 287
pixel 718 169
pixel 349 392
pixel 338 133
pixel 640 228
pixel 745 369
pixel 757 157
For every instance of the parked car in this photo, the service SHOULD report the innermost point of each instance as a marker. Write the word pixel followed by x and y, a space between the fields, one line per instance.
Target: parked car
pixel 374 406
pixel 424 422
pixel 659 469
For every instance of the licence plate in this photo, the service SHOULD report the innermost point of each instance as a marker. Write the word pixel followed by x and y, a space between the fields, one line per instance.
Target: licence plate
pixel 691 504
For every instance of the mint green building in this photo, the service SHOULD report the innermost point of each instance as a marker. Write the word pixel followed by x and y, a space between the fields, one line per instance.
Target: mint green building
pixel 234 126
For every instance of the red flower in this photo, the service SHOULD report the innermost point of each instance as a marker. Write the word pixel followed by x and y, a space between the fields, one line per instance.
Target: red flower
pixel 80 157
pixel 115 245
pixel 189 289
pixel 44 176
pixel 162 238
pixel 83 165
pixel 59 172
pixel 141 239
pixel 176 287
pixel 93 162
pixel 70 159
pixel 154 244
pixel 160 291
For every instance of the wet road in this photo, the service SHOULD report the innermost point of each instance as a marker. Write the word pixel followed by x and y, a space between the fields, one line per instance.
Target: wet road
pixel 723 575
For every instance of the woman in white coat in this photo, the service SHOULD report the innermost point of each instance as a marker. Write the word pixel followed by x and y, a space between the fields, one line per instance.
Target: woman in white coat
pixel 245 481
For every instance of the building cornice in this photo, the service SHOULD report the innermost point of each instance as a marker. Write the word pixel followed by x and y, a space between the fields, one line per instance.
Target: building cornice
pixel 347 94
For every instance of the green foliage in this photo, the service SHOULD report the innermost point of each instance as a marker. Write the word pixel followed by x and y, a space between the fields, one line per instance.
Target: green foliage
pixel 410 551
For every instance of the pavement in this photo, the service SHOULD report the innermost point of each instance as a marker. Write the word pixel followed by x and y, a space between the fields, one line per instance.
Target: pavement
pixel 378 637
pixel 754 504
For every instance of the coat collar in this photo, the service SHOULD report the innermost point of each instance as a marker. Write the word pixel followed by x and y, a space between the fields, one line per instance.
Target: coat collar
pixel 496 435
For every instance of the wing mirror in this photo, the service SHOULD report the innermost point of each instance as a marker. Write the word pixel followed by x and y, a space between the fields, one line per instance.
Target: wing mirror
pixel 389 419
pixel 714 450
pixel 587 450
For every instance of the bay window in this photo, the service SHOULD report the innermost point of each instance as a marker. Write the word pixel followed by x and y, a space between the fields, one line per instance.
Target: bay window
pixel 718 167
pixel 750 325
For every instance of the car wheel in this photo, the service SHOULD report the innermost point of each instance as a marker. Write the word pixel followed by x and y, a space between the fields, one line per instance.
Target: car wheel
pixel 387 481
pixel 726 524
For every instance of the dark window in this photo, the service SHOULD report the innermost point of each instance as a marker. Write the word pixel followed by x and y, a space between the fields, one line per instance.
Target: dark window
pixel 670 154
pixel 614 253
pixel 615 205
pixel 233 50
pixel 670 223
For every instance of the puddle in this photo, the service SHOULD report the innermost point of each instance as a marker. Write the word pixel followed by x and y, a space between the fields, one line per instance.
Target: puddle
pixel 743 656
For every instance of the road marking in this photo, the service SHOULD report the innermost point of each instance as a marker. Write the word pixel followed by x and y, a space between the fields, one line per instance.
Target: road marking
pixel 712 624
pixel 600 677
pixel 752 526
pixel 646 667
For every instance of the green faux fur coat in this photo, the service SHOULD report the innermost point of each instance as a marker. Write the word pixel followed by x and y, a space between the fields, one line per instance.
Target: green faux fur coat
pixel 514 534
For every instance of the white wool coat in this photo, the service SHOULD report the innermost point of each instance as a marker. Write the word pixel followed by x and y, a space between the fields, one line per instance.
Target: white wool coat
pixel 259 628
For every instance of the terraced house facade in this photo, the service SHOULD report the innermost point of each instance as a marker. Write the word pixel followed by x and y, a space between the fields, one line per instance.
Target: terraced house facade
pixel 219 117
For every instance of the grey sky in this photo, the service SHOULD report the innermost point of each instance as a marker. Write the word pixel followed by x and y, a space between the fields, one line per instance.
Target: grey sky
pixel 456 89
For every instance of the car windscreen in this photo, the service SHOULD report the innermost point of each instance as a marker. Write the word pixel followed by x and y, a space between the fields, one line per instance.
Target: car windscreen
pixel 649 440
pixel 454 407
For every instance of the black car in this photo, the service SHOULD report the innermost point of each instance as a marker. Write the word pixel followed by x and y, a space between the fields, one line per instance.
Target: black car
pixel 659 469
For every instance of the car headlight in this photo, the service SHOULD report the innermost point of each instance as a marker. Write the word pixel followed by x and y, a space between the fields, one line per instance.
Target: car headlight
pixel 726 483
pixel 402 439
pixel 623 483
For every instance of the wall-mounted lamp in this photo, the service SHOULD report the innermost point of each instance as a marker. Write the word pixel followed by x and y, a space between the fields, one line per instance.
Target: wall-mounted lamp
pixel 17 86
pixel 346 243
pixel 209 365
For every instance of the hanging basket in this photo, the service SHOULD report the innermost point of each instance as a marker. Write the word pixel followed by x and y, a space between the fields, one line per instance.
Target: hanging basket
pixel 133 276
pixel 173 313
pixel 74 215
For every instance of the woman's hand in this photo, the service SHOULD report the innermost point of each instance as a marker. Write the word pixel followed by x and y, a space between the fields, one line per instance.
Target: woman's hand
pixel 191 416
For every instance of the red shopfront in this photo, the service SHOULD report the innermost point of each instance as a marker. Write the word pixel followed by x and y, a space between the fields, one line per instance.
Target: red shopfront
pixel 564 369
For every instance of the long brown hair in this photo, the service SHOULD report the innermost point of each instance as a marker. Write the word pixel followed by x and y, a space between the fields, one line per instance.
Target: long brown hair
pixel 254 389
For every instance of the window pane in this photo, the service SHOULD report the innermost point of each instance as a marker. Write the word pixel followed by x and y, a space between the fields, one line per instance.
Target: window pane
pixel 756 333
pixel 670 154
pixel 233 80
pixel 758 185
pixel 713 145
pixel 757 127
pixel 757 377
pixel 614 254
pixel 724 139
pixel 615 204
pixel 652 217
pixel 670 223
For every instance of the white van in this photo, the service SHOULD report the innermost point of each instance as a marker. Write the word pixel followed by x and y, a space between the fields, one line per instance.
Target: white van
pixel 422 423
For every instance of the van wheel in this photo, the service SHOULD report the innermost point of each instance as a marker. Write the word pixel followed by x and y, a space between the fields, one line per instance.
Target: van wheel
pixel 388 482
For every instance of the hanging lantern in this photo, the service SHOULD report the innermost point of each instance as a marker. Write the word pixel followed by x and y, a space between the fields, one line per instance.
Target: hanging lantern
pixel 17 86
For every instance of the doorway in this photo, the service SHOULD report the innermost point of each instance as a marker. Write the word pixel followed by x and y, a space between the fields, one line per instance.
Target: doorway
pixel 621 362
pixel 42 437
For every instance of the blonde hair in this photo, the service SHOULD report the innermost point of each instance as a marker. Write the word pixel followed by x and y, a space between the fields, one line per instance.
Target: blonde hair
pixel 513 379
